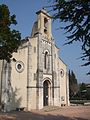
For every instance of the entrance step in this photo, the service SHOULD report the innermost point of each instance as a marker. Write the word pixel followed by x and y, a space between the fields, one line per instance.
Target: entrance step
pixel 50 108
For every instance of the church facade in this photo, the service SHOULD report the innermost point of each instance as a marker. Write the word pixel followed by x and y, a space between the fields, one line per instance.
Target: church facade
pixel 36 76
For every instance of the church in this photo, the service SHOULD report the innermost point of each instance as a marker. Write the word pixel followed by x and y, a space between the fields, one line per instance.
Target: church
pixel 36 76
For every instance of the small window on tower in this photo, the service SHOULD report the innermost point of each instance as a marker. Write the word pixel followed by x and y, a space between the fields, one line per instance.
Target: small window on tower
pixel 34 49
pixel 34 76
pixel 45 22
pixel 45 25
pixel 46 60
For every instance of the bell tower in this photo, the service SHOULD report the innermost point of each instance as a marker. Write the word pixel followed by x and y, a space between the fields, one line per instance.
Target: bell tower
pixel 44 24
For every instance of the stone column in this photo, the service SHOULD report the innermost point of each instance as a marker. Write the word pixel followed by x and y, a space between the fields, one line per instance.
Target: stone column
pixel 29 78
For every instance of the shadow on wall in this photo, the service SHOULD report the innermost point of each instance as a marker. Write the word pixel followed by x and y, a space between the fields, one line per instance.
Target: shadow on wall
pixel 15 100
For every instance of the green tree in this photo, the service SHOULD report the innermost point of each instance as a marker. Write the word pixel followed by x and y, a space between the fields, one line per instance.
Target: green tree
pixel 82 91
pixel 73 85
pixel 73 78
pixel 76 13
pixel 9 38
pixel 82 87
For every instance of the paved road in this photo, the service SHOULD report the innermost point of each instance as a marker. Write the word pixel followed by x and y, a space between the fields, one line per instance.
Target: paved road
pixel 64 113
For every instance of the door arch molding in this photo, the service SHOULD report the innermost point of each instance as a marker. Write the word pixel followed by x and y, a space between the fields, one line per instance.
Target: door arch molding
pixel 46 92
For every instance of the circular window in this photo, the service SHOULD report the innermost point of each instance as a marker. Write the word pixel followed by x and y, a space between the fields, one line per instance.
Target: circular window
pixel 62 72
pixel 19 66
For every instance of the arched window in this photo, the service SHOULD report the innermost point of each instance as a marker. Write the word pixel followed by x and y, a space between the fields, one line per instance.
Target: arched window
pixel 46 60
pixel 45 25
pixel 45 22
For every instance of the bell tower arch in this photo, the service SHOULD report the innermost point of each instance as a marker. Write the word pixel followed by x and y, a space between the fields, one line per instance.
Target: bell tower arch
pixel 44 24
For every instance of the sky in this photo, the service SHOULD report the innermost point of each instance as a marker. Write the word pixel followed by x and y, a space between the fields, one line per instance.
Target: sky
pixel 25 11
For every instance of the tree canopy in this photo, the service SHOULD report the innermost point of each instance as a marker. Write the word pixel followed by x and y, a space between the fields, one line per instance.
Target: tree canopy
pixel 9 38
pixel 77 14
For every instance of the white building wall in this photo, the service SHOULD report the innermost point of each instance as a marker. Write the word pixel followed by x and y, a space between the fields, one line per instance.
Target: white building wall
pixel 63 82
pixel 33 74
pixel 56 83
pixel 19 80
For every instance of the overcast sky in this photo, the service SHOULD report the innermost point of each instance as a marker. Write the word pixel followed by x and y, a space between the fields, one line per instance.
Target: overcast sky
pixel 25 11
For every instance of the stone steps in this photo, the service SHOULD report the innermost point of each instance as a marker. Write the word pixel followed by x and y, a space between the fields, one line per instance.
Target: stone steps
pixel 50 108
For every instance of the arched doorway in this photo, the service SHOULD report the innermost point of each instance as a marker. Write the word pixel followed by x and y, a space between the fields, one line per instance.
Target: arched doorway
pixel 45 93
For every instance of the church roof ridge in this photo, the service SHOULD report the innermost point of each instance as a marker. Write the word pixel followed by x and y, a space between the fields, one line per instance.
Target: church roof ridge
pixel 62 61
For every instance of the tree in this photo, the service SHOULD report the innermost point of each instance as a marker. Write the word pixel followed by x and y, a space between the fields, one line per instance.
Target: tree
pixel 73 85
pixel 82 87
pixel 77 14
pixel 9 38
pixel 82 91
